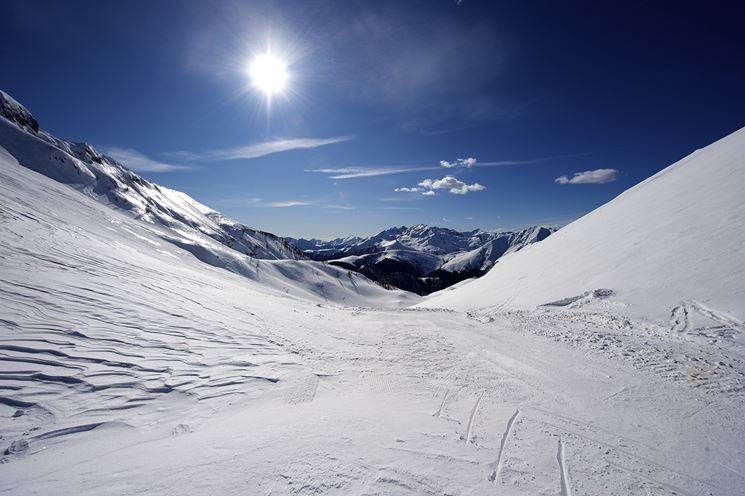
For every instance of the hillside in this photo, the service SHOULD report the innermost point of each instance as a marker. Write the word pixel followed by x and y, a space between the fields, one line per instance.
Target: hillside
pixel 81 166
pixel 171 217
pixel 671 248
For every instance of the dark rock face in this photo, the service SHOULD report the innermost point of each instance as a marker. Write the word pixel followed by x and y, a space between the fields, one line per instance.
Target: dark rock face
pixel 399 274
pixel 14 111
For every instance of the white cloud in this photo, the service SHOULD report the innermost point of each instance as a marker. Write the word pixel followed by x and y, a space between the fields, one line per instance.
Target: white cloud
pixel 459 162
pixel 452 184
pixel 407 190
pixel 139 162
pixel 597 176
pixel 429 193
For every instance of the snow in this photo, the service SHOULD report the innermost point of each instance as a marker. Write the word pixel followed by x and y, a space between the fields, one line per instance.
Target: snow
pixel 126 371
pixel 676 240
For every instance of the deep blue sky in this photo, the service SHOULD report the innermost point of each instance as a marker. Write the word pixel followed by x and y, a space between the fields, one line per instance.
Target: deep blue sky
pixel 552 87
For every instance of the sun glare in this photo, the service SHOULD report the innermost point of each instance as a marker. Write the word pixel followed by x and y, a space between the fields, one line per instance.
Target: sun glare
pixel 268 74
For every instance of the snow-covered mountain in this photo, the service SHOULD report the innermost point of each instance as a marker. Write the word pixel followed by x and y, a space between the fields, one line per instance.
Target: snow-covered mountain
pixel 81 166
pixel 671 247
pixel 173 216
pixel 422 258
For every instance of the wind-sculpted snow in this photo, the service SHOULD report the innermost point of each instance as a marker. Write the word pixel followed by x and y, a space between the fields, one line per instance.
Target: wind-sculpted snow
pixel 107 321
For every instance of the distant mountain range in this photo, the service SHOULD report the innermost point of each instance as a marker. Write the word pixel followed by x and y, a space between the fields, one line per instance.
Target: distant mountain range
pixel 421 258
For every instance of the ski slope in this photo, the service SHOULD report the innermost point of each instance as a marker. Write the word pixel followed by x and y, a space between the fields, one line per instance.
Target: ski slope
pixel 140 359
pixel 129 366
pixel 671 249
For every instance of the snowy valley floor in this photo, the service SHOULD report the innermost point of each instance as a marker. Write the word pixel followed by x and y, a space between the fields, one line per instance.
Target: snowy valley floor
pixel 127 366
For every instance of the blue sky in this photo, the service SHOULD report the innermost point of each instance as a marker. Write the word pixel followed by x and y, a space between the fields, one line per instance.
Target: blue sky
pixel 379 95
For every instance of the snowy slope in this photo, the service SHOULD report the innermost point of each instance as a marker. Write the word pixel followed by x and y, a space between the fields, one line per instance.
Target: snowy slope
pixel 110 228
pixel 128 365
pixel 672 245
pixel 81 166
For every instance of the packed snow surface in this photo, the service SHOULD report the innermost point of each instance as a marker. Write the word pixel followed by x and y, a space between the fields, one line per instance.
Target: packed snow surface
pixel 133 362
pixel 670 248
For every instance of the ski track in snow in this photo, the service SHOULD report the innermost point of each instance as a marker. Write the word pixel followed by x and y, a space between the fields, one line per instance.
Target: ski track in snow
pixel 474 410
pixel 503 443
pixel 566 488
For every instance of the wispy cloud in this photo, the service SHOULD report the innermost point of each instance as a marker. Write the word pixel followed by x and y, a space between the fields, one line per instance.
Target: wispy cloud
pixel 407 190
pixel 288 203
pixel 254 202
pixel 357 172
pixel 139 162
pixel 256 150
pixel 354 172
pixel 270 147
pixel 459 162
pixel 597 176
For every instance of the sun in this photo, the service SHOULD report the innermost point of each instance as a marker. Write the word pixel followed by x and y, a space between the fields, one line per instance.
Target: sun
pixel 268 74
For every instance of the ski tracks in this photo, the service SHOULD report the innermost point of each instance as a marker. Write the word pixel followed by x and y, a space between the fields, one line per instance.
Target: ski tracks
pixel 726 326
pixel 566 488
pixel 469 430
pixel 494 477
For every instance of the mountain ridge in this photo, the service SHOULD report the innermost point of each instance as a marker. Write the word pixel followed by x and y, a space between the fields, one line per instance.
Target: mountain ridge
pixel 422 258
pixel 82 166
pixel 162 214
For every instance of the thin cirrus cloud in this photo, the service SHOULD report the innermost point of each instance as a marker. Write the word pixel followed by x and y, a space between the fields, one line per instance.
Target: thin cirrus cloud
pixel 269 147
pixel 256 150
pixel 597 176
pixel 136 160
pixel 354 172
pixel 359 172
pixel 254 202
pixel 139 162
